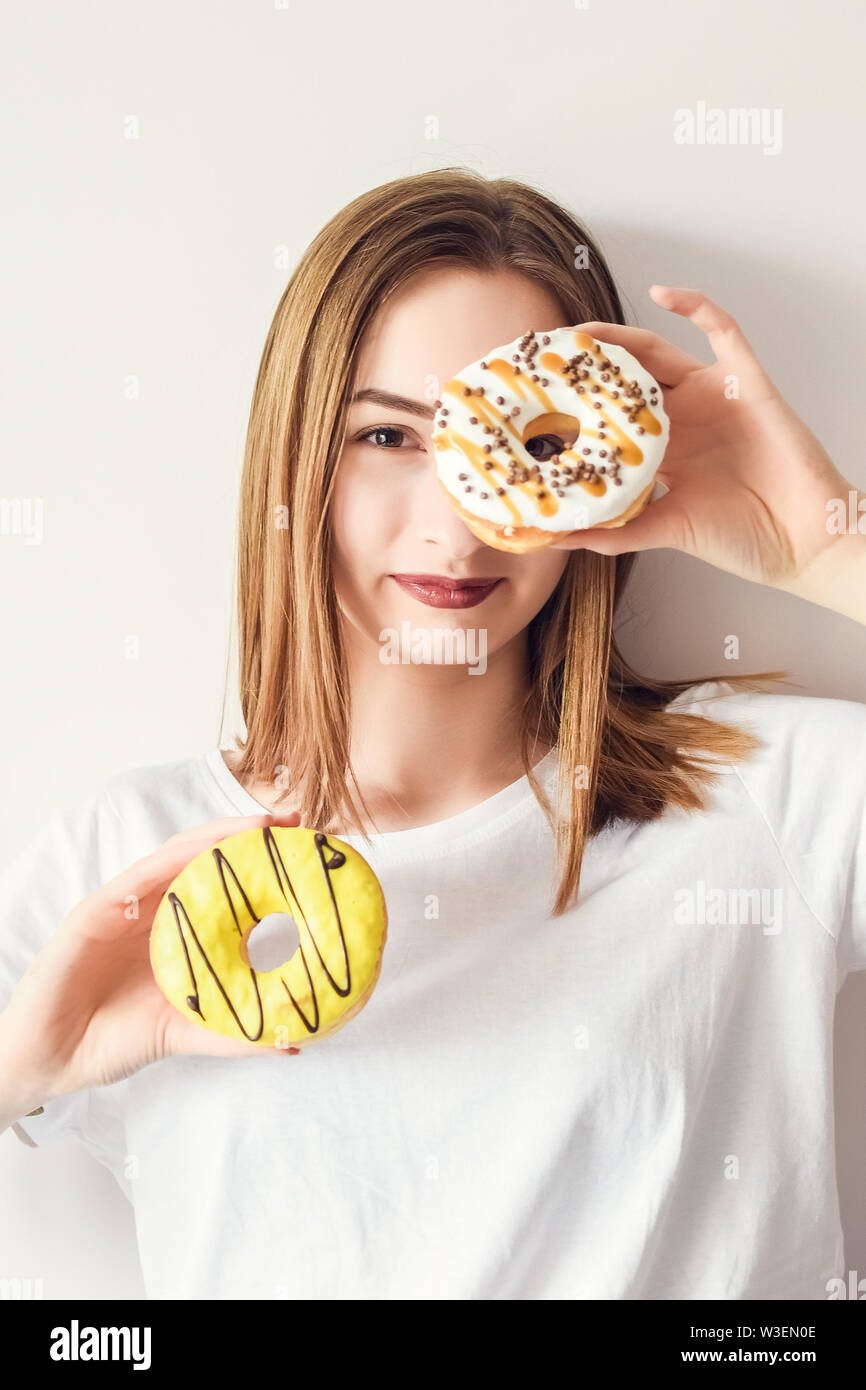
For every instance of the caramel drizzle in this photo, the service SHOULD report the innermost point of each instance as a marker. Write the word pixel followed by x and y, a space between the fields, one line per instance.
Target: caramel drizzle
pixel 450 439
pixel 490 413
pixel 336 861
pixel 630 451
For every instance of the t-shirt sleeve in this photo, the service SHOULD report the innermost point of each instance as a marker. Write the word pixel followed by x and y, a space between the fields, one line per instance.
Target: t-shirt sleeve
pixel 57 869
pixel 809 782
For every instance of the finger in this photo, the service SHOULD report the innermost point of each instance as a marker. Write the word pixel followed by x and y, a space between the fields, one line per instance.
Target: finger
pixel 725 336
pixel 658 526
pixel 191 1039
pixel 156 871
pixel 229 825
pixel 665 361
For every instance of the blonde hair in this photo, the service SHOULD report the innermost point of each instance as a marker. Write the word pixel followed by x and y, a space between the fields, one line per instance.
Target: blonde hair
pixel 633 757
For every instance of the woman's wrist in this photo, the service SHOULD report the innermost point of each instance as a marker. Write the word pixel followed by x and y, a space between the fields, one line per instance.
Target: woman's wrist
pixel 14 1108
pixel 19 1096
pixel 18 1099
pixel 836 578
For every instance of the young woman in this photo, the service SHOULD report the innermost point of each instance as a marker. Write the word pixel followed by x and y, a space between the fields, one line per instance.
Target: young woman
pixel 598 1061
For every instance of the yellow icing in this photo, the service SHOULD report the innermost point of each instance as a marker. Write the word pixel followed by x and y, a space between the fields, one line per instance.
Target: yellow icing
pixel 211 913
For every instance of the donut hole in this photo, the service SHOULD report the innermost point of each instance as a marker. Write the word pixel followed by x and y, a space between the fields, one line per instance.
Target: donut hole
pixel 550 434
pixel 272 942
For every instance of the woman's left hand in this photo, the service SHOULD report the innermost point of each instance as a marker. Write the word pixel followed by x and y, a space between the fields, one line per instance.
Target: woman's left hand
pixel 748 481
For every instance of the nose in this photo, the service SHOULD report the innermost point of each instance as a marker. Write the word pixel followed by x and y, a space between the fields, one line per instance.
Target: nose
pixel 440 523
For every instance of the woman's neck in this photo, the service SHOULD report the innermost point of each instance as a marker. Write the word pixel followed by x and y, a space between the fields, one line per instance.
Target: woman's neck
pixel 429 741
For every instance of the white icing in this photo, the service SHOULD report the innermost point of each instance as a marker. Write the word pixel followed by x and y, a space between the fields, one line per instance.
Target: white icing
pixel 578 508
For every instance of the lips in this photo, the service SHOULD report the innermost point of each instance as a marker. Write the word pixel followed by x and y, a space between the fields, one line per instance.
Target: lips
pixel 438 591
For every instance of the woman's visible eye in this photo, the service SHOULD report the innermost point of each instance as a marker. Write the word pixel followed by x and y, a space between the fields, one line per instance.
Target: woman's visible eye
pixel 375 436
pixel 539 443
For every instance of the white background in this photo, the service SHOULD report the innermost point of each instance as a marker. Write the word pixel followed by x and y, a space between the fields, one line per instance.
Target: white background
pixel 163 257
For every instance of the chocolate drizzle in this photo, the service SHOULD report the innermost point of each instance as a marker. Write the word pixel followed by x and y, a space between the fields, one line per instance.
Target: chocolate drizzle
pixel 336 860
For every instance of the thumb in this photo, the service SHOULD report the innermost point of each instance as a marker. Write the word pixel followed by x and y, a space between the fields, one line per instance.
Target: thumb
pixel 189 1038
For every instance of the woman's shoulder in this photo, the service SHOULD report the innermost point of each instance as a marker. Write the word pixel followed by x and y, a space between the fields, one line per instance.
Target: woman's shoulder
pixel 779 718
pixel 807 783
pixel 807 775
pixel 176 780
pixel 149 802
pixel 120 817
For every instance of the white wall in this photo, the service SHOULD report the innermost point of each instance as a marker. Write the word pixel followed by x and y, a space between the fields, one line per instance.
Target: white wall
pixel 159 257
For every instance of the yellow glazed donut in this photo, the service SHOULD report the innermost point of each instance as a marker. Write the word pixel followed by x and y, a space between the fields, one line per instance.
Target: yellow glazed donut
pixel 198 941
pixel 553 433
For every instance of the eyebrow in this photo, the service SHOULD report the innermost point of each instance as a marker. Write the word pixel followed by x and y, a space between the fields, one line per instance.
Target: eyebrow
pixel 387 398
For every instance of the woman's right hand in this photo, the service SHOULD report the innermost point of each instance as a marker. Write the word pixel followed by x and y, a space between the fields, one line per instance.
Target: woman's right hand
pixel 88 1011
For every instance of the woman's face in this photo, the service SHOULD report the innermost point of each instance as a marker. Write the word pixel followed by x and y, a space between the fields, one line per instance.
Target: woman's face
pixel 390 516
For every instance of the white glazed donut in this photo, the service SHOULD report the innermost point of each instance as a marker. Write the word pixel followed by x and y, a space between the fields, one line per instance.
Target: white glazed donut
pixel 592 404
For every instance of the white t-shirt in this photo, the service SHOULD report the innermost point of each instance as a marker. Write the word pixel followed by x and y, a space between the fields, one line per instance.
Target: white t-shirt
pixel 631 1101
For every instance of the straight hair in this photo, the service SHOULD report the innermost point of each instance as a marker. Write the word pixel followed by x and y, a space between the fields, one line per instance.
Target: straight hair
pixel 623 755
